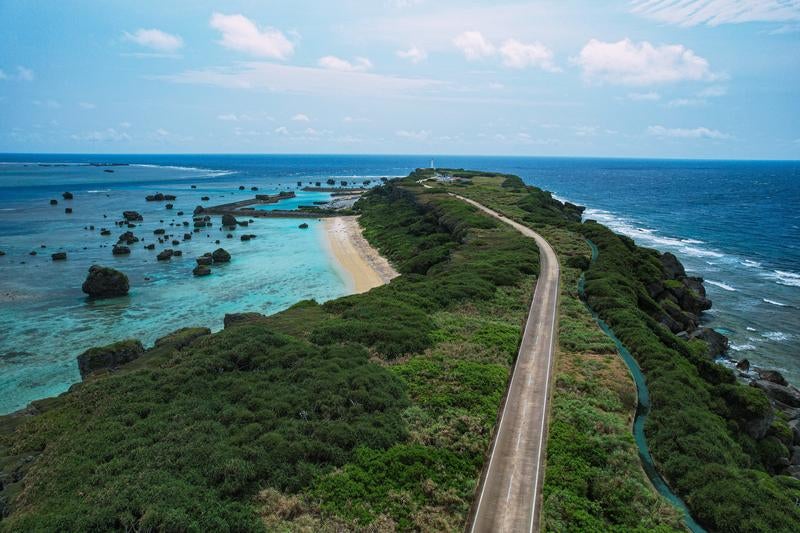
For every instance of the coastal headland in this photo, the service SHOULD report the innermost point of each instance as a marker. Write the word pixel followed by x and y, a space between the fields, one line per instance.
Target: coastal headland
pixel 378 410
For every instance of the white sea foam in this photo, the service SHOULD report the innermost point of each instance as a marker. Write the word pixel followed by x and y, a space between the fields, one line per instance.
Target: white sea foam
pixel 751 329
pixel 741 347
pixel 782 277
pixel 773 302
pixel 95 191
pixel 777 336
pixel 750 263
pixel 721 285
pixel 650 237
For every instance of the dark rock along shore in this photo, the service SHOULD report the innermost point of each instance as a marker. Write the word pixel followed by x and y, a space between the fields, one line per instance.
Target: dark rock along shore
pixel 684 299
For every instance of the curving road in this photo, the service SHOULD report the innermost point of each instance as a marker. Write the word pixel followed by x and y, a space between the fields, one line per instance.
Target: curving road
pixel 509 493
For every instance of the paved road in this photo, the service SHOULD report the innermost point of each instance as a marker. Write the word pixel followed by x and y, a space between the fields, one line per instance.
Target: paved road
pixel 509 496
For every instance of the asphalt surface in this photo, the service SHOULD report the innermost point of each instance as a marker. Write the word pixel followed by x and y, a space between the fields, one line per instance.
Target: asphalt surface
pixel 510 492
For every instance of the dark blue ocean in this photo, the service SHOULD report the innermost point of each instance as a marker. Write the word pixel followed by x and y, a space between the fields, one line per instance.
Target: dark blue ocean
pixel 736 223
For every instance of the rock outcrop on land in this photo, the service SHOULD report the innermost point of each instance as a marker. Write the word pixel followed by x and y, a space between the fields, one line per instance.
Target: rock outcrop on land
pixel 104 282
pixel 109 357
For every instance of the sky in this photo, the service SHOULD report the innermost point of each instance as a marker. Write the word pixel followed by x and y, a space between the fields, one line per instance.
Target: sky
pixel 616 78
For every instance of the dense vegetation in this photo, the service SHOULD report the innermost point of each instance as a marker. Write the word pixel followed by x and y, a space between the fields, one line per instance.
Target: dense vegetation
pixel 698 426
pixel 373 410
pixel 594 480
pixel 701 420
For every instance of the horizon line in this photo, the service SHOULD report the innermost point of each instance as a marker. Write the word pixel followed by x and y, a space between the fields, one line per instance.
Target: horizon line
pixel 376 154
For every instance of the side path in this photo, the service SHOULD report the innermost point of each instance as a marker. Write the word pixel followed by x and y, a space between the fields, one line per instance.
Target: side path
pixel 509 495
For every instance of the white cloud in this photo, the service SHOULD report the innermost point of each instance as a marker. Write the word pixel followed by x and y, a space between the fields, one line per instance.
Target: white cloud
pixel 585 131
pixel 520 55
pixel 125 125
pixel 644 96
pixel 413 54
pixel 300 117
pixel 515 54
pixel 716 12
pixel 628 63
pixel 107 135
pixel 312 132
pixel 420 135
pixel 335 63
pixel 230 117
pixel 687 133
pixel 49 103
pixel 87 105
pixel 685 102
pixel 474 45
pixel 161 132
pixel 155 39
pixel 306 80
pixel 713 91
pixel 241 34
pixel 282 130
pixel 23 74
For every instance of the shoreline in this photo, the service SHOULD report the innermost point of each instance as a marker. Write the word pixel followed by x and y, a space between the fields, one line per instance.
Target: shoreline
pixel 362 264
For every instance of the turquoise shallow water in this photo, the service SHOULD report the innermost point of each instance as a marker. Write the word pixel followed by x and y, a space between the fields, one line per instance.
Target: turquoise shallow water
pixel 45 318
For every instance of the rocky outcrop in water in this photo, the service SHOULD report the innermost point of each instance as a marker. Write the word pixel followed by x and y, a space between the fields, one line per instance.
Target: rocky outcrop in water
pixel 67 195
pixel 165 255
pixel 220 255
pixel 201 270
pixel 118 249
pixel 229 220
pixel 104 282
pixel 132 216
pixel 59 256
pixel 109 357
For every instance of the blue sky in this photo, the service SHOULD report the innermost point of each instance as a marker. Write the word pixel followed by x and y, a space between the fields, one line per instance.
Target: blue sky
pixel 641 78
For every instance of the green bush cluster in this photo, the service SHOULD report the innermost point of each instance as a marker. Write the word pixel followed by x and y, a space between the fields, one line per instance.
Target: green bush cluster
pixel 182 445
pixel 700 428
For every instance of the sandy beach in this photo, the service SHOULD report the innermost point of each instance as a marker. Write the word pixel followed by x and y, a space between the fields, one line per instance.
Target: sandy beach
pixel 362 263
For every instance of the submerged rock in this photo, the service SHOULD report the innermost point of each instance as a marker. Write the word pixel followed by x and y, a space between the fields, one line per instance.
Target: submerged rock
pixel 132 216
pixel 109 357
pixel 67 195
pixel 201 270
pixel 59 256
pixel 158 197
pixel 204 260
pixel 120 250
pixel 104 282
pixel 165 255
pixel 53 202
pixel 220 255
pixel 68 210
pixel 228 220
pixel 303 226
pixel 128 238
